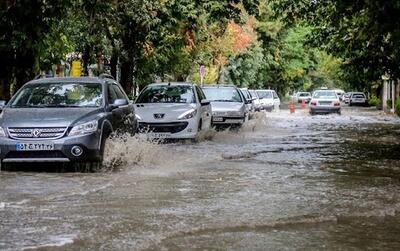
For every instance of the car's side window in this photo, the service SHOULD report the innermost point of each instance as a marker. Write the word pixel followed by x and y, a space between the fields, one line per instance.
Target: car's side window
pixel 200 94
pixel 112 96
pixel 120 94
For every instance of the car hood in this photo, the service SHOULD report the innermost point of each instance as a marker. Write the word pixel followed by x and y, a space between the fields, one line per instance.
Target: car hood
pixel 171 111
pixel 44 117
pixel 226 106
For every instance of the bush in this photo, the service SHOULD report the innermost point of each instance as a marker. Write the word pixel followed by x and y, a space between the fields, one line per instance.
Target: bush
pixel 374 101
pixel 398 106
pixel 389 104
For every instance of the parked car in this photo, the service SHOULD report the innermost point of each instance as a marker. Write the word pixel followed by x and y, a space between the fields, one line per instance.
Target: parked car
pixel 300 96
pixel 357 98
pixel 64 120
pixel 172 111
pixel 340 94
pixel 255 100
pixel 325 101
pixel 269 99
pixel 346 97
pixel 228 105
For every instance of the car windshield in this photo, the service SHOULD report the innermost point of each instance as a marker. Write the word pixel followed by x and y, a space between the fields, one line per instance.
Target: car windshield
pixel 304 94
pixel 253 94
pixel 167 94
pixel 222 94
pixel 325 94
pixel 59 95
pixel 265 94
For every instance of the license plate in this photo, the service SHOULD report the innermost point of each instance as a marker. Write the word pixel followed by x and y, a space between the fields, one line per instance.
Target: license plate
pixel 34 146
pixel 159 135
pixel 234 121
pixel 218 119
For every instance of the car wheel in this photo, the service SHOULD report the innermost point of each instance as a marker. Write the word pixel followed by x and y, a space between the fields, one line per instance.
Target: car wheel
pixel 350 104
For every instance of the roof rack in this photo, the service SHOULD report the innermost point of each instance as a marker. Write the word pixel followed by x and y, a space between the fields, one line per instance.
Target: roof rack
pixel 105 75
pixel 40 76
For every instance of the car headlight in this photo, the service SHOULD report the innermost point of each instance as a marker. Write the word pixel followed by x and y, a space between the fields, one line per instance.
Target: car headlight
pixel 85 128
pixel 2 132
pixel 138 117
pixel 188 115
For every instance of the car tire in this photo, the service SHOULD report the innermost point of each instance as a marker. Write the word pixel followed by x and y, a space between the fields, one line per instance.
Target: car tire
pixel 350 104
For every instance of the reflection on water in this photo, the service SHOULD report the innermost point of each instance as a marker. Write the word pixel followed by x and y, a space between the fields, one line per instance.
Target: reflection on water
pixel 281 182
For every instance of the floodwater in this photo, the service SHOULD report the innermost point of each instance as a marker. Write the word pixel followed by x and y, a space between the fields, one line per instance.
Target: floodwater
pixel 284 182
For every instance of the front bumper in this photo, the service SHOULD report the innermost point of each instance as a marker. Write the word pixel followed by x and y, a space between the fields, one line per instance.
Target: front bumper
pixel 228 120
pixel 324 109
pixel 180 129
pixel 90 145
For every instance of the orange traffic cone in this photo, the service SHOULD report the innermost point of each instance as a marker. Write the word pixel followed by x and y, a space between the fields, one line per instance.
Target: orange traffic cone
pixel 303 105
pixel 292 107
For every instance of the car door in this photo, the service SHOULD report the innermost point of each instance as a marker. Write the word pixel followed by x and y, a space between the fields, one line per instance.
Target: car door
pixel 125 112
pixel 204 109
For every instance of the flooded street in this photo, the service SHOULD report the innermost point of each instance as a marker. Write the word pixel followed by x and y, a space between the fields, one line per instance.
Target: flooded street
pixel 283 182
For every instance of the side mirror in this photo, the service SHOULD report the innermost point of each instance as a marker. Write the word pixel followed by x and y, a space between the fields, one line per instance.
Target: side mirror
pixel 248 101
pixel 205 102
pixel 118 103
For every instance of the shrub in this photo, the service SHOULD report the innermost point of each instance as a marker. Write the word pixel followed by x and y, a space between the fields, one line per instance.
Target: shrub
pixel 398 106
pixel 389 104
pixel 374 101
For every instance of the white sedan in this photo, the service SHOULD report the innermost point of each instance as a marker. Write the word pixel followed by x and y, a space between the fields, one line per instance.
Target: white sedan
pixel 172 110
pixel 325 101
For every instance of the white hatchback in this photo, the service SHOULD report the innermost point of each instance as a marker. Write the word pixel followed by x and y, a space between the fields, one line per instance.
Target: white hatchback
pixel 269 100
pixel 172 110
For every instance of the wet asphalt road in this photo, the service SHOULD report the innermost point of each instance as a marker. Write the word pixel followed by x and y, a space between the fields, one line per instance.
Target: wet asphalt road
pixel 285 182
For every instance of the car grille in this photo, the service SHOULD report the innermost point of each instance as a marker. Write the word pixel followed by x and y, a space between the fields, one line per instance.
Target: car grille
pixel 36 133
pixel 34 154
pixel 173 127
pixel 325 102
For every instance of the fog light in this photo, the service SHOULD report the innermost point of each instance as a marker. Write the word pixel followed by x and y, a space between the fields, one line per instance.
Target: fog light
pixel 76 151
pixel 189 130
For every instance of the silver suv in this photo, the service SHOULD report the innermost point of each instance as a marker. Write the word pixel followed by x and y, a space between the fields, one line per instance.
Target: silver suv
pixel 64 120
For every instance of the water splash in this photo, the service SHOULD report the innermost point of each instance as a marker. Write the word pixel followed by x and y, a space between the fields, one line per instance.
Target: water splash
pixel 121 151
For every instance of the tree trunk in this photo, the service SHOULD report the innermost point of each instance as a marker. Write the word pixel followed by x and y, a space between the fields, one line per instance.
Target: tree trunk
pixel 114 64
pixel 127 76
pixel 86 60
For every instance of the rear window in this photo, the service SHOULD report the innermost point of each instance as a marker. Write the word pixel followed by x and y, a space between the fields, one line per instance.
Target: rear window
pixel 167 94
pixel 325 94
pixel 304 94
pixel 358 96
pixel 265 94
